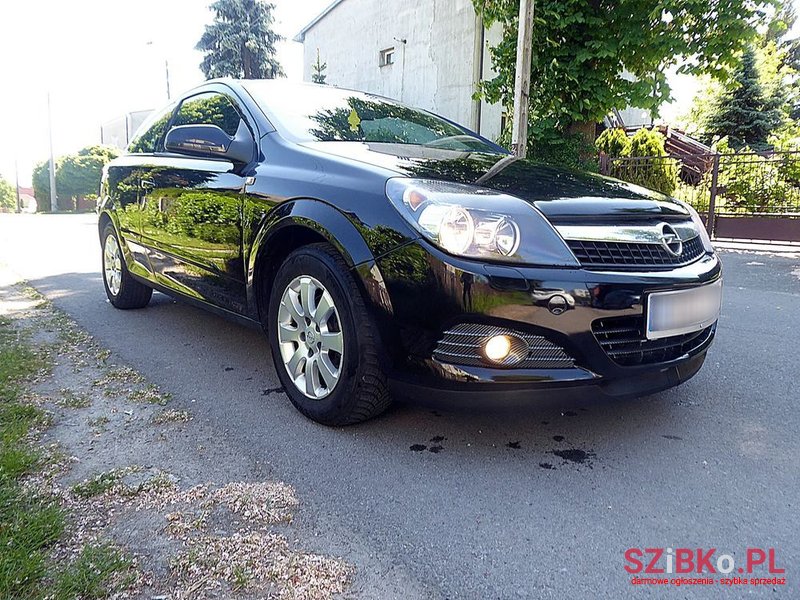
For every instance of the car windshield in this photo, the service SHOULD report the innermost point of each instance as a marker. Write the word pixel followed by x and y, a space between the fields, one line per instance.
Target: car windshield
pixel 328 114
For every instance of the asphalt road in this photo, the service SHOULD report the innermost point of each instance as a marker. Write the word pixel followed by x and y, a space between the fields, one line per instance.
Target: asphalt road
pixel 495 513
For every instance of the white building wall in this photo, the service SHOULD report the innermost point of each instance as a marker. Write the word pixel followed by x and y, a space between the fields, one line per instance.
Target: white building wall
pixel 434 69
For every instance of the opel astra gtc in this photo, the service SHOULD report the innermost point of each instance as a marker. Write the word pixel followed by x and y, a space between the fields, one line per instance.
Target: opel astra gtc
pixel 385 250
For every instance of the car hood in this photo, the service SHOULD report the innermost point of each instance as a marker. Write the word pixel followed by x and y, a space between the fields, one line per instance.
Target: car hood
pixel 561 194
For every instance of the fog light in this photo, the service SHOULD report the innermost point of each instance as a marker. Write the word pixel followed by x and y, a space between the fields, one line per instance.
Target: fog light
pixel 497 348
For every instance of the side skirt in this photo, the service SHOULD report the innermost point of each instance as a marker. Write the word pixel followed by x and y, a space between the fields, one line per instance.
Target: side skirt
pixel 227 314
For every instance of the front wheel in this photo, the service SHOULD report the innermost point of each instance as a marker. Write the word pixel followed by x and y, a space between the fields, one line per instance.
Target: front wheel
pixel 122 289
pixel 322 339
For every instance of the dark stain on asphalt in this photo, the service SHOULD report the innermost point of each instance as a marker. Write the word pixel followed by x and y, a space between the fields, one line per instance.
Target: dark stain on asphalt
pixel 229 368
pixel 546 466
pixel 558 438
pixel 672 437
pixel 436 413
pixel 437 438
pixel 514 445
pixel 435 449
pixel 269 391
pixel 569 413
pixel 545 422
pixel 574 455
pixel 584 409
pixel 417 447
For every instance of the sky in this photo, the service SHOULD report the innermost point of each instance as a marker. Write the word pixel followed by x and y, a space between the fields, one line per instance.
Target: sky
pixel 99 61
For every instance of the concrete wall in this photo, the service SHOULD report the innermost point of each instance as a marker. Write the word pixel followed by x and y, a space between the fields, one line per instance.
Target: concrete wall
pixel 434 69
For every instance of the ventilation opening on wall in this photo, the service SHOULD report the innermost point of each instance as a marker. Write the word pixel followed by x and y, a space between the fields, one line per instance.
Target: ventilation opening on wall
pixel 386 57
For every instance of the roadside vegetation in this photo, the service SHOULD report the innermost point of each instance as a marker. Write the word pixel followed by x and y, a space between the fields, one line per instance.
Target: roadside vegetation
pixel 74 429
pixel 33 522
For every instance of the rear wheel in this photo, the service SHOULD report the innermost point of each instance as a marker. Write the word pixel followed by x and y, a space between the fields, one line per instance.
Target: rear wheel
pixel 322 339
pixel 122 289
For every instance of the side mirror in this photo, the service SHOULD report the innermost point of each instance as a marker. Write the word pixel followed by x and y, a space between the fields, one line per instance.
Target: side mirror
pixel 210 141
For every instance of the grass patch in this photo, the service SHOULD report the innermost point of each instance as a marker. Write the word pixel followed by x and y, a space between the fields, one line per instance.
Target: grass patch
pixel 99 422
pixel 72 399
pixel 97 485
pixel 29 524
pixel 149 395
pixel 98 571
pixel 170 416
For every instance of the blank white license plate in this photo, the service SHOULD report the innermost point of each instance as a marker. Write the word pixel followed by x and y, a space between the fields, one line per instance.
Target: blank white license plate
pixel 682 311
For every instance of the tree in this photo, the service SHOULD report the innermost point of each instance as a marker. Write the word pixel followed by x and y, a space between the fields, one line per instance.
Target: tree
pixel 8 197
pixel 240 42
pixel 41 185
pixel 77 176
pixel 744 114
pixel 318 68
pixel 777 66
pixel 644 159
pixel 592 56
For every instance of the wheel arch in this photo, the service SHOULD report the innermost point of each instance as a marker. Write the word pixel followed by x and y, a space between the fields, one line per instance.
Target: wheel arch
pixel 103 220
pixel 300 222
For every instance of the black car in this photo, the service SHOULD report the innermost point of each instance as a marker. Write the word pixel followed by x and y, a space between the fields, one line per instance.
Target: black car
pixel 386 250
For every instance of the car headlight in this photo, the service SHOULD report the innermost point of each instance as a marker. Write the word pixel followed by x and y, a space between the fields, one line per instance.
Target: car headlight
pixel 478 223
pixel 698 225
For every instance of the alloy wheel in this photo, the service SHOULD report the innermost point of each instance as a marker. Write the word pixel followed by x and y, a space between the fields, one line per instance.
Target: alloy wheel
pixel 310 337
pixel 112 264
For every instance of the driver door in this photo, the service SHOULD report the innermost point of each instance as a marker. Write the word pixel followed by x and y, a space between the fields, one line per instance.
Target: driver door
pixel 192 213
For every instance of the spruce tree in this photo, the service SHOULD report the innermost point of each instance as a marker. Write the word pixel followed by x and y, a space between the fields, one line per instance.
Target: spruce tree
pixel 743 113
pixel 318 76
pixel 240 42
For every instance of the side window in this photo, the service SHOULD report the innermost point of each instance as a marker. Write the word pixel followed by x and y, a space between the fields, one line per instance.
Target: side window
pixel 209 109
pixel 149 136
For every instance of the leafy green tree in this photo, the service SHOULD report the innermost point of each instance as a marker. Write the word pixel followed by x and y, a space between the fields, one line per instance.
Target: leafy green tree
pixel 41 185
pixel 240 42
pixel 318 68
pixel 8 197
pixel 77 176
pixel 592 56
pixel 744 114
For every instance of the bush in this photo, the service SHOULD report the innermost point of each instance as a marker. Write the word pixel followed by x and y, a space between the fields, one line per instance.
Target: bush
pixel 644 161
pixel 614 142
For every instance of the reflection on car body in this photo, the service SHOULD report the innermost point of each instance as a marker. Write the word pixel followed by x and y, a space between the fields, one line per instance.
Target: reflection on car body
pixel 390 252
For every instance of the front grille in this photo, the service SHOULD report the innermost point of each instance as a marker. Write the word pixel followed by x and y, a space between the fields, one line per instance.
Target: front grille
pixel 463 344
pixel 624 342
pixel 632 255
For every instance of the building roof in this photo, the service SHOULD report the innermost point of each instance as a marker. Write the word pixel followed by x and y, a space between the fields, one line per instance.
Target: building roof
pixel 302 35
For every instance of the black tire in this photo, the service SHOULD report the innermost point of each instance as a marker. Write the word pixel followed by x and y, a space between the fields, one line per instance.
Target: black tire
pixel 130 293
pixel 361 392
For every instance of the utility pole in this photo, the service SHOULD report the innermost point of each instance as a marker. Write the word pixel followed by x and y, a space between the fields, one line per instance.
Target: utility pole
pixel 166 72
pixel 53 196
pixel 522 80
pixel 155 47
pixel 16 183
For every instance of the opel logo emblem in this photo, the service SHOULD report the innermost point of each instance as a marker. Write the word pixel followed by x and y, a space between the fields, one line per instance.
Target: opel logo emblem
pixel 671 240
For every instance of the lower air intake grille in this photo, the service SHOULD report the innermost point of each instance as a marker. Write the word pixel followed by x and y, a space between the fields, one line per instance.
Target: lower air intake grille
pixel 624 342
pixel 632 255
pixel 463 345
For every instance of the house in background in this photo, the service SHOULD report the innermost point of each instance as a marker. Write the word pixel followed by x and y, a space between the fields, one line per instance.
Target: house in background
pixel 27 202
pixel 426 53
pixel 118 132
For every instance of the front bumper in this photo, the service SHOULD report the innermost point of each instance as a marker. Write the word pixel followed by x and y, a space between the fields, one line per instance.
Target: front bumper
pixel 430 292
